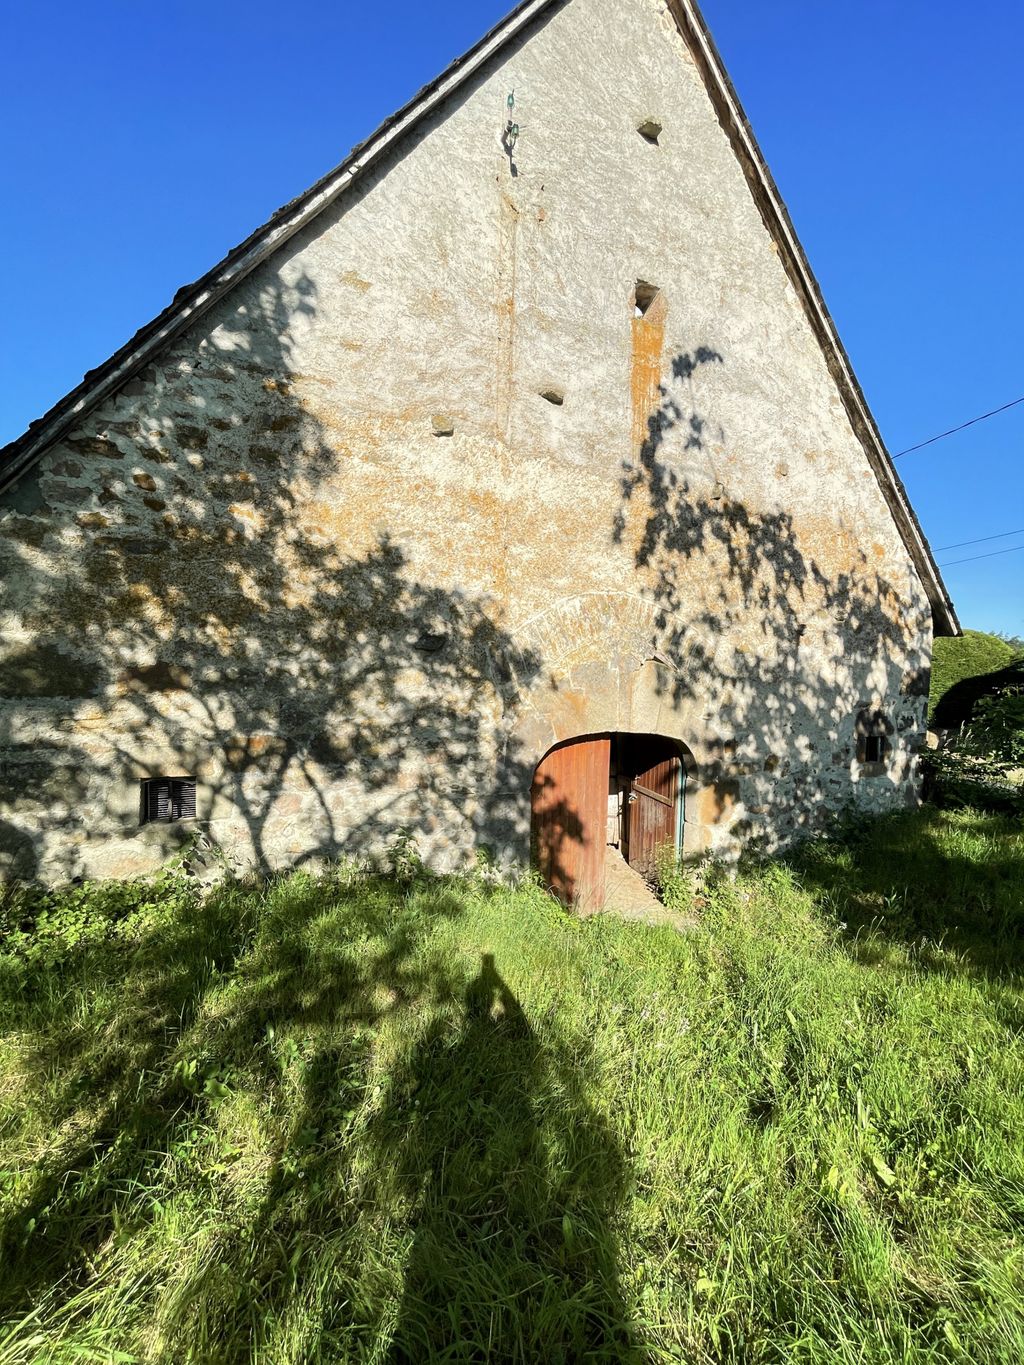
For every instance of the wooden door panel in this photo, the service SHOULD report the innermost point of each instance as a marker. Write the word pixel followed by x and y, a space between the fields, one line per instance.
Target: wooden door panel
pixel 570 805
pixel 654 794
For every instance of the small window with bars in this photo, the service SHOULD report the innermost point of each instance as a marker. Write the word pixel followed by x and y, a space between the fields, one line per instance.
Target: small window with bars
pixel 874 748
pixel 874 733
pixel 165 799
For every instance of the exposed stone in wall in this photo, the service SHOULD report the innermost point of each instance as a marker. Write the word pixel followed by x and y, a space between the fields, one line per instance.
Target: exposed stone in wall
pixel 258 565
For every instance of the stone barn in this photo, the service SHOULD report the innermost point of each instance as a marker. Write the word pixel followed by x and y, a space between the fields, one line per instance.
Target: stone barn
pixel 511 486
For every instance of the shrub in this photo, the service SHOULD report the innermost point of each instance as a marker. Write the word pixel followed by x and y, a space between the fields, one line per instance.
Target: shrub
pixel 955 662
pixel 982 766
pixel 1000 720
pixel 44 928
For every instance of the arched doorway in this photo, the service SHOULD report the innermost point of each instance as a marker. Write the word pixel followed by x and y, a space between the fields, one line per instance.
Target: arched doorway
pixel 623 790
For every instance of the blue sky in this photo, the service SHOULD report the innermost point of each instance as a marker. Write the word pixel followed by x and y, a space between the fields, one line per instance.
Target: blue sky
pixel 142 141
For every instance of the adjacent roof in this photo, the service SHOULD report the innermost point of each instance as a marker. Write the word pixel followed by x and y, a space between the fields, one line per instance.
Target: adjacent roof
pixel 190 302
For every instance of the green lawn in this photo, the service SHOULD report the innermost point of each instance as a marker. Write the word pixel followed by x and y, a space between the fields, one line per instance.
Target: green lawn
pixel 347 1118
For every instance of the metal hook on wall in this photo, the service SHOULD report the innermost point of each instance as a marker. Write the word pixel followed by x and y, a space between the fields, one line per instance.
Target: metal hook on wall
pixel 511 131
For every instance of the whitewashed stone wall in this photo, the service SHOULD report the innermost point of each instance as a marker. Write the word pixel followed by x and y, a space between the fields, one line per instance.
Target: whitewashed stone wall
pixel 339 558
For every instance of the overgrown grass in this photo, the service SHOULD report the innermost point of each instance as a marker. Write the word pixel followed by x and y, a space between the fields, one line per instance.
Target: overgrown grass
pixel 346 1118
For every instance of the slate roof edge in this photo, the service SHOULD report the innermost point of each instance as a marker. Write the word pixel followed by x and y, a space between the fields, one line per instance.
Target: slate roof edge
pixel 192 301
pixel 766 194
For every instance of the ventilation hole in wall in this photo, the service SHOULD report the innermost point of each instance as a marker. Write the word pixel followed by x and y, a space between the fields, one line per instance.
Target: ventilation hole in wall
pixel 650 131
pixel 554 396
pixel 431 642
pixel 165 799
pixel 643 296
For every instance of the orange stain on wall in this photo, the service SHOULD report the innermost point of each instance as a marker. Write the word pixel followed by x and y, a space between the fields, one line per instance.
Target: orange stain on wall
pixel 645 371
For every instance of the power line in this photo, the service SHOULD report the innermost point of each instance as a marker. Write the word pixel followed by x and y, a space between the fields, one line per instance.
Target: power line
pixel 962 427
pixel 989 556
pixel 961 543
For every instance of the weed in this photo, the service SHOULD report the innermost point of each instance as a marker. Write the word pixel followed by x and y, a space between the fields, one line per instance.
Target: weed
pixel 398 1117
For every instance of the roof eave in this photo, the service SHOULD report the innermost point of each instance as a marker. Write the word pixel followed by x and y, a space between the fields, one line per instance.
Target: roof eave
pixel 193 300
pixel 766 195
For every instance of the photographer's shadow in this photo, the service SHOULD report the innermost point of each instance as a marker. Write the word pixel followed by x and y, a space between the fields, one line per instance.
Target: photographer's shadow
pixel 514 1183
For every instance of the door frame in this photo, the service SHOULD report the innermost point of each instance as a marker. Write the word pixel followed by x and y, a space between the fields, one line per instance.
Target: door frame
pixel 617 744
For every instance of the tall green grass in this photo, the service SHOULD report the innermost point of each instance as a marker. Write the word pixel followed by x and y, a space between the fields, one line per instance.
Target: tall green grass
pixel 350 1118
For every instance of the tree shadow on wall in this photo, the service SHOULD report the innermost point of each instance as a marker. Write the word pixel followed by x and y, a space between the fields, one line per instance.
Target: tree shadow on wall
pixel 231 614
pixel 556 833
pixel 777 624
pixel 18 861
pixel 207 614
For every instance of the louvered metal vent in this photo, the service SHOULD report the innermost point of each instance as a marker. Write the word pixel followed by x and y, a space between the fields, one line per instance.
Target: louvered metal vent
pixel 168 798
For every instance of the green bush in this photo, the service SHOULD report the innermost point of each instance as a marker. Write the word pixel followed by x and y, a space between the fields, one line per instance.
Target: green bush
pixel 971 655
pixel 982 764
pixel 46 927
pixel 999 721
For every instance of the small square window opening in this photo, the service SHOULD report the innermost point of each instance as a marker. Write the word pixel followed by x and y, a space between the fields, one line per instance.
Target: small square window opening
pixel 874 748
pixel 873 730
pixel 167 799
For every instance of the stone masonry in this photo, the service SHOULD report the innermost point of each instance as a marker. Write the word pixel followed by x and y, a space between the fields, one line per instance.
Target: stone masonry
pixel 515 441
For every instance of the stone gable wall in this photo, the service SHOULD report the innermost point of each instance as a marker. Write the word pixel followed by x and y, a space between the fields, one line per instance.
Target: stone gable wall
pixel 338 556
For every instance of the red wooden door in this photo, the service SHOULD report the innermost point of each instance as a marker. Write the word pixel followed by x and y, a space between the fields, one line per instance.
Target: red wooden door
pixel 570 808
pixel 653 805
